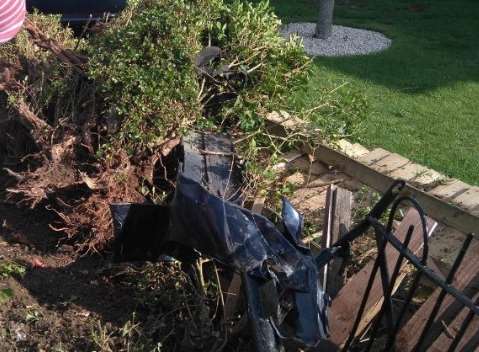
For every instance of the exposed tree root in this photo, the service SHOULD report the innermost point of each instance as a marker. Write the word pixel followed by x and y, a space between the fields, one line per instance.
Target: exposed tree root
pixel 66 56
pixel 51 162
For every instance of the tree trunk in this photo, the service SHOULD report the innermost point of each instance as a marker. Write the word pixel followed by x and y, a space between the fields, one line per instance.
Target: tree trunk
pixel 324 28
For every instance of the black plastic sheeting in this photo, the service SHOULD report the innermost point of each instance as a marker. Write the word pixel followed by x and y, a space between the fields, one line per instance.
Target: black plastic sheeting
pixel 286 303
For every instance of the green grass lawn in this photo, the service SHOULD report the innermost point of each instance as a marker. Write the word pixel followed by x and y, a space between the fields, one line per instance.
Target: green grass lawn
pixel 423 91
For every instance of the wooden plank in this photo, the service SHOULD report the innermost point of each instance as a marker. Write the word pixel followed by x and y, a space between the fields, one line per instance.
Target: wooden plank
pixel 390 163
pixel 233 295
pixel 285 120
pixel 258 204
pixel 470 340
pixel 344 308
pixel 287 158
pixel 418 175
pixel 305 165
pixel 223 177
pixel 299 161
pixel 469 200
pixel 291 156
pixel 426 177
pixel 360 149
pixel 355 150
pixel 337 221
pixel 408 171
pixel 374 156
pixel 441 211
pixel 450 190
pixel 466 278
pixel 194 166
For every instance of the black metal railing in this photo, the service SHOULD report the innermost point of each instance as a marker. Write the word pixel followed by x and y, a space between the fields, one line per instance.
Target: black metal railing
pixel 392 319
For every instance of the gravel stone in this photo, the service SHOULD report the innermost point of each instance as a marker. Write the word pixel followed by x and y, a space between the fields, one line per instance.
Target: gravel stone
pixel 344 41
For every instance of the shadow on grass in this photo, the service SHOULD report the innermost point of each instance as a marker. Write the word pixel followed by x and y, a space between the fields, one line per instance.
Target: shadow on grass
pixel 434 42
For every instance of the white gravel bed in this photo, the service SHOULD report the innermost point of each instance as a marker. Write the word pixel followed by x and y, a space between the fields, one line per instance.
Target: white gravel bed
pixel 344 41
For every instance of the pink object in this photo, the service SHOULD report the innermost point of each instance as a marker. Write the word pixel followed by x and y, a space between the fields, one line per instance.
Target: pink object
pixel 37 263
pixel 12 15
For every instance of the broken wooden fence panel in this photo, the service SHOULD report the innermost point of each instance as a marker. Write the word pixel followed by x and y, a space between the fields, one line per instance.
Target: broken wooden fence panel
pixel 344 307
pixel 466 279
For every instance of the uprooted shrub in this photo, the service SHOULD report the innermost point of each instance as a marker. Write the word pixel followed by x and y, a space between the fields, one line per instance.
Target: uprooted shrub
pixel 145 67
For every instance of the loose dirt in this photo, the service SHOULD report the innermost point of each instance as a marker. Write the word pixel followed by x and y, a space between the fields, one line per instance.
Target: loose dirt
pixel 61 297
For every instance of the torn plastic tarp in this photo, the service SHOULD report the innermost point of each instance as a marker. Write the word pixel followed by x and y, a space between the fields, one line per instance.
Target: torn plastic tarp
pixel 272 260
